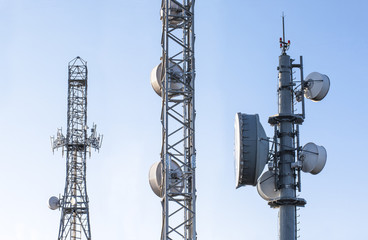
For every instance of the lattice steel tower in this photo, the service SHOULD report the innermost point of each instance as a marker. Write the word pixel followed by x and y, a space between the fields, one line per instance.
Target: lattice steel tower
pixel 173 178
pixel 74 222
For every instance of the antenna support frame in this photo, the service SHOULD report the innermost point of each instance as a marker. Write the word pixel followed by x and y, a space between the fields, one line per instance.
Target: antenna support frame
pixel 300 202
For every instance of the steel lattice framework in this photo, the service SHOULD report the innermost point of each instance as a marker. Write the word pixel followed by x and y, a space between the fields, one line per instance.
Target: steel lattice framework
pixel 178 115
pixel 74 222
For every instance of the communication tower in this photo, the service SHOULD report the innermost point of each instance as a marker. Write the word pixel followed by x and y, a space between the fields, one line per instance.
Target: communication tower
pixel 74 221
pixel 173 177
pixel 286 158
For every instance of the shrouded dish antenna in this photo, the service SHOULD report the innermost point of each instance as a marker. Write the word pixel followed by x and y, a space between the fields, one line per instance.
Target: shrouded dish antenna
pixel 158 75
pixel 54 203
pixel 156 178
pixel 175 13
pixel 251 149
pixel 314 158
pixel 317 86
pixel 266 186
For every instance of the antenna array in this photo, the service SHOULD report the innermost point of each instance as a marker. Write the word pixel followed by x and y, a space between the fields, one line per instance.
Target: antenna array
pixel 173 178
pixel 74 222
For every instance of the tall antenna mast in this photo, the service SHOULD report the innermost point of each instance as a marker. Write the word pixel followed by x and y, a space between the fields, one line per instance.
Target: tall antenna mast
pixel 173 178
pixel 287 158
pixel 283 27
pixel 74 222
pixel 285 127
pixel 283 44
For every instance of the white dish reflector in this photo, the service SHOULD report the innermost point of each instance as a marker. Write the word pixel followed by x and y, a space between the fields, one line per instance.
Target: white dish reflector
pixel 317 86
pixel 251 149
pixel 266 186
pixel 314 158
pixel 156 178
pixel 158 75
pixel 175 13
pixel 54 203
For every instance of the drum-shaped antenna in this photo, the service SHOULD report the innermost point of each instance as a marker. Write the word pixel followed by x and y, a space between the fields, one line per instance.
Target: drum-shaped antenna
pixel 314 158
pixel 266 186
pixel 156 178
pixel 317 86
pixel 251 149
pixel 54 203
pixel 157 75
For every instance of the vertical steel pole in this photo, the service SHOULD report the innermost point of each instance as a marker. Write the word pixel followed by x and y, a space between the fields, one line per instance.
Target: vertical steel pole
pixel 165 157
pixel 287 152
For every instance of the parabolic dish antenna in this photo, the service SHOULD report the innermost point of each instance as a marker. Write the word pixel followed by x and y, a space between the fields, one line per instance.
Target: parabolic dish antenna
pixel 314 158
pixel 251 149
pixel 54 203
pixel 317 86
pixel 266 186
pixel 156 178
pixel 157 76
pixel 175 13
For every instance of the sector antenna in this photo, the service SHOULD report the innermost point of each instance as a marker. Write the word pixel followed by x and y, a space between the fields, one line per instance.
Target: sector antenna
pixel 74 204
pixel 286 158
pixel 172 178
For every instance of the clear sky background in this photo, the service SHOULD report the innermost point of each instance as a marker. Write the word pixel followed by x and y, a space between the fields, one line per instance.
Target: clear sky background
pixel 237 53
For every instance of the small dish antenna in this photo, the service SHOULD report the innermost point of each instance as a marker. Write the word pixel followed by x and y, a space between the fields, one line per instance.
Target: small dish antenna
pixel 73 201
pixel 158 75
pixel 251 149
pixel 156 178
pixel 266 186
pixel 314 158
pixel 54 203
pixel 316 86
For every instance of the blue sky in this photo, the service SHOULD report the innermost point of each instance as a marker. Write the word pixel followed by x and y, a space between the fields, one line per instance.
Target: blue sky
pixel 237 52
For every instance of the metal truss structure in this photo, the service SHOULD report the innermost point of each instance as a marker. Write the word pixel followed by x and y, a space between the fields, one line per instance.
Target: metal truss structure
pixel 74 222
pixel 178 116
